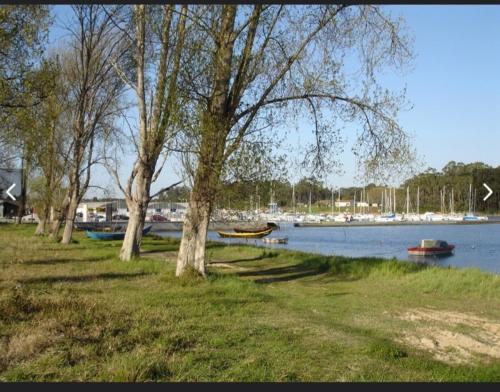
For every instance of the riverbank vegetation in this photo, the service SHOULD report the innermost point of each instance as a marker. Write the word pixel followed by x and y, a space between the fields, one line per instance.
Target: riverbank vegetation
pixel 76 312
pixel 434 186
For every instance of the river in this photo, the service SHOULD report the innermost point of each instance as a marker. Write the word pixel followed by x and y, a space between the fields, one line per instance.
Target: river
pixel 475 245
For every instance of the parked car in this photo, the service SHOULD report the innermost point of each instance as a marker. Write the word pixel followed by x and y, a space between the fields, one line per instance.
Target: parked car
pixel 157 218
pixel 31 218
pixel 100 218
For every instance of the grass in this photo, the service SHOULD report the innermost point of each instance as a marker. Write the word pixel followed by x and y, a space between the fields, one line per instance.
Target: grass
pixel 77 313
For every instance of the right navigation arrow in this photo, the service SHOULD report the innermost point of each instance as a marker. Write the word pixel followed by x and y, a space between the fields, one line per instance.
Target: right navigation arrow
pixel 490 192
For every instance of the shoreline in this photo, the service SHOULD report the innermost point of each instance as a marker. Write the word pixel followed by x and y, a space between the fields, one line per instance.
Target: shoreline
pixel 416 223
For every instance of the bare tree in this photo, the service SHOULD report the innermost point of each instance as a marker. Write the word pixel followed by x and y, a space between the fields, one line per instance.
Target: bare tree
pixel 50 150
pixel 158 100
pixel 94 92
pixel 262 64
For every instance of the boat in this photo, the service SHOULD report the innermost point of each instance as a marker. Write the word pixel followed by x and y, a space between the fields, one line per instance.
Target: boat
pixel 259 234
pixel 100 228
pixel 390 217
pixel 275 240
pixel 273 225
pixel 474 218
pixel 254 230
pixel 431 248
pixel 117 235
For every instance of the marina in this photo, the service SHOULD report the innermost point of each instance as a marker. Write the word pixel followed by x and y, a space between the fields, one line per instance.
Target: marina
pixel 476 245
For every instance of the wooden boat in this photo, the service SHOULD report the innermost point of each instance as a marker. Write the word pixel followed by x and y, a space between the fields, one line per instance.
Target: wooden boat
pixel 273 225
pixel 431 248
pixel 275 240
pixel 259 234
pixel 118 235
pixel 100 228
pixel 255 230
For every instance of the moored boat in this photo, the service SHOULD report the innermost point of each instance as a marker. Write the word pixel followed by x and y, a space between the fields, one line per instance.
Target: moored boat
pixel 275 240
pixel 259 234
pixel 119 235
pixel 254 230
pixel 100 228
pixel 431 248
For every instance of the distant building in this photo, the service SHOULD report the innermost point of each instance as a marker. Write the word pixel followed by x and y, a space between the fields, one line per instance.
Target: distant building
pixel 8 209
pixel 89 211
pixel 343 203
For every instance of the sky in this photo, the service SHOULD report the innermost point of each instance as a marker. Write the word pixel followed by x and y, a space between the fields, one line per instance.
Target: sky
pixel 453 87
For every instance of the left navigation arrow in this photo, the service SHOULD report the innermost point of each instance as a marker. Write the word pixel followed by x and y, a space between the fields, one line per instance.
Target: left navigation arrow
pixel 8 192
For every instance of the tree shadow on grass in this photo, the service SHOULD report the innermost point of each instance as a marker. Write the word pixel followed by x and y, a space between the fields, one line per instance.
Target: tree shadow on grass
pixel 159 250
pixel 263 256
pixel 332 267
pixel 52 261
pixel 81 278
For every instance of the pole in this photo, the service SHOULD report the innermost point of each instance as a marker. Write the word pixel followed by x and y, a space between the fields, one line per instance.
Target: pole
pixel 394 191
pixel 339 200
pixel 470 198
pixel 407 200
pixel 418 200
pixel 332 200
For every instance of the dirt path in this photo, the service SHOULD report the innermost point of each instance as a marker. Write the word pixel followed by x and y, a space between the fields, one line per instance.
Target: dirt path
pixel 452 336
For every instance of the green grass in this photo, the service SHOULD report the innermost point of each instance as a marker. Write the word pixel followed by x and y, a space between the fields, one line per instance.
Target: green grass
pixel 77 313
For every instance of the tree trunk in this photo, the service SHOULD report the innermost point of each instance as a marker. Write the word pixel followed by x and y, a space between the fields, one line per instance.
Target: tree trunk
pixel 40 228
pixel 194 238
pixel 133 237
pixel 137 207
pixel 70 218
pixel 56 227
pixel 57 222
pixel 42 220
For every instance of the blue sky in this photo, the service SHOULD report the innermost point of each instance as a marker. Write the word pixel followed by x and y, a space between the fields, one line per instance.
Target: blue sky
pixel 454 87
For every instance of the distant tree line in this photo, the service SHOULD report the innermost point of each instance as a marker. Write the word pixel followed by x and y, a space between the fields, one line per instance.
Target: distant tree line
pixel 456 187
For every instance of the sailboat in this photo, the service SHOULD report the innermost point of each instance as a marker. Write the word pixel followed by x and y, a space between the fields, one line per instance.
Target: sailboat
pixel 471 216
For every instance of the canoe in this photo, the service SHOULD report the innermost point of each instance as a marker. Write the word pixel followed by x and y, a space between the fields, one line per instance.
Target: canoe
pixel 119 235
pixel 275 240
pixel 100 228
pixel 259 234
pixel 431 248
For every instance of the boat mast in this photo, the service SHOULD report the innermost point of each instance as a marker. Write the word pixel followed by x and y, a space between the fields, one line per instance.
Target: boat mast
pixel 470 198
pixel 382 202
pixel 475 194
pixel 407 200
pixel 418 200
pixel 309 200
pixel 332 201
pixel 364 200
pixel 394 191
pixel 339 200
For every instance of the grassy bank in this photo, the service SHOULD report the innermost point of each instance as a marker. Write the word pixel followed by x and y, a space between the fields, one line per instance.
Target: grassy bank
pixel 77 313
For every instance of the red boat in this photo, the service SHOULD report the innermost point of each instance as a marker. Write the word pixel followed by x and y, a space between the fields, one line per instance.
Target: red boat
pixel 432 248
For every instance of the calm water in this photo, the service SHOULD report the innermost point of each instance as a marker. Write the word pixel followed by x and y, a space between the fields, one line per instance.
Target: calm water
pixel 475 245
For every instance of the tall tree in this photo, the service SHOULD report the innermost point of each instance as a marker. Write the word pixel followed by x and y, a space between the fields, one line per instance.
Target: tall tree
pixel 259 61
pixel 23 33
pixel 158 46
pixel 94 93
pixel 47 133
